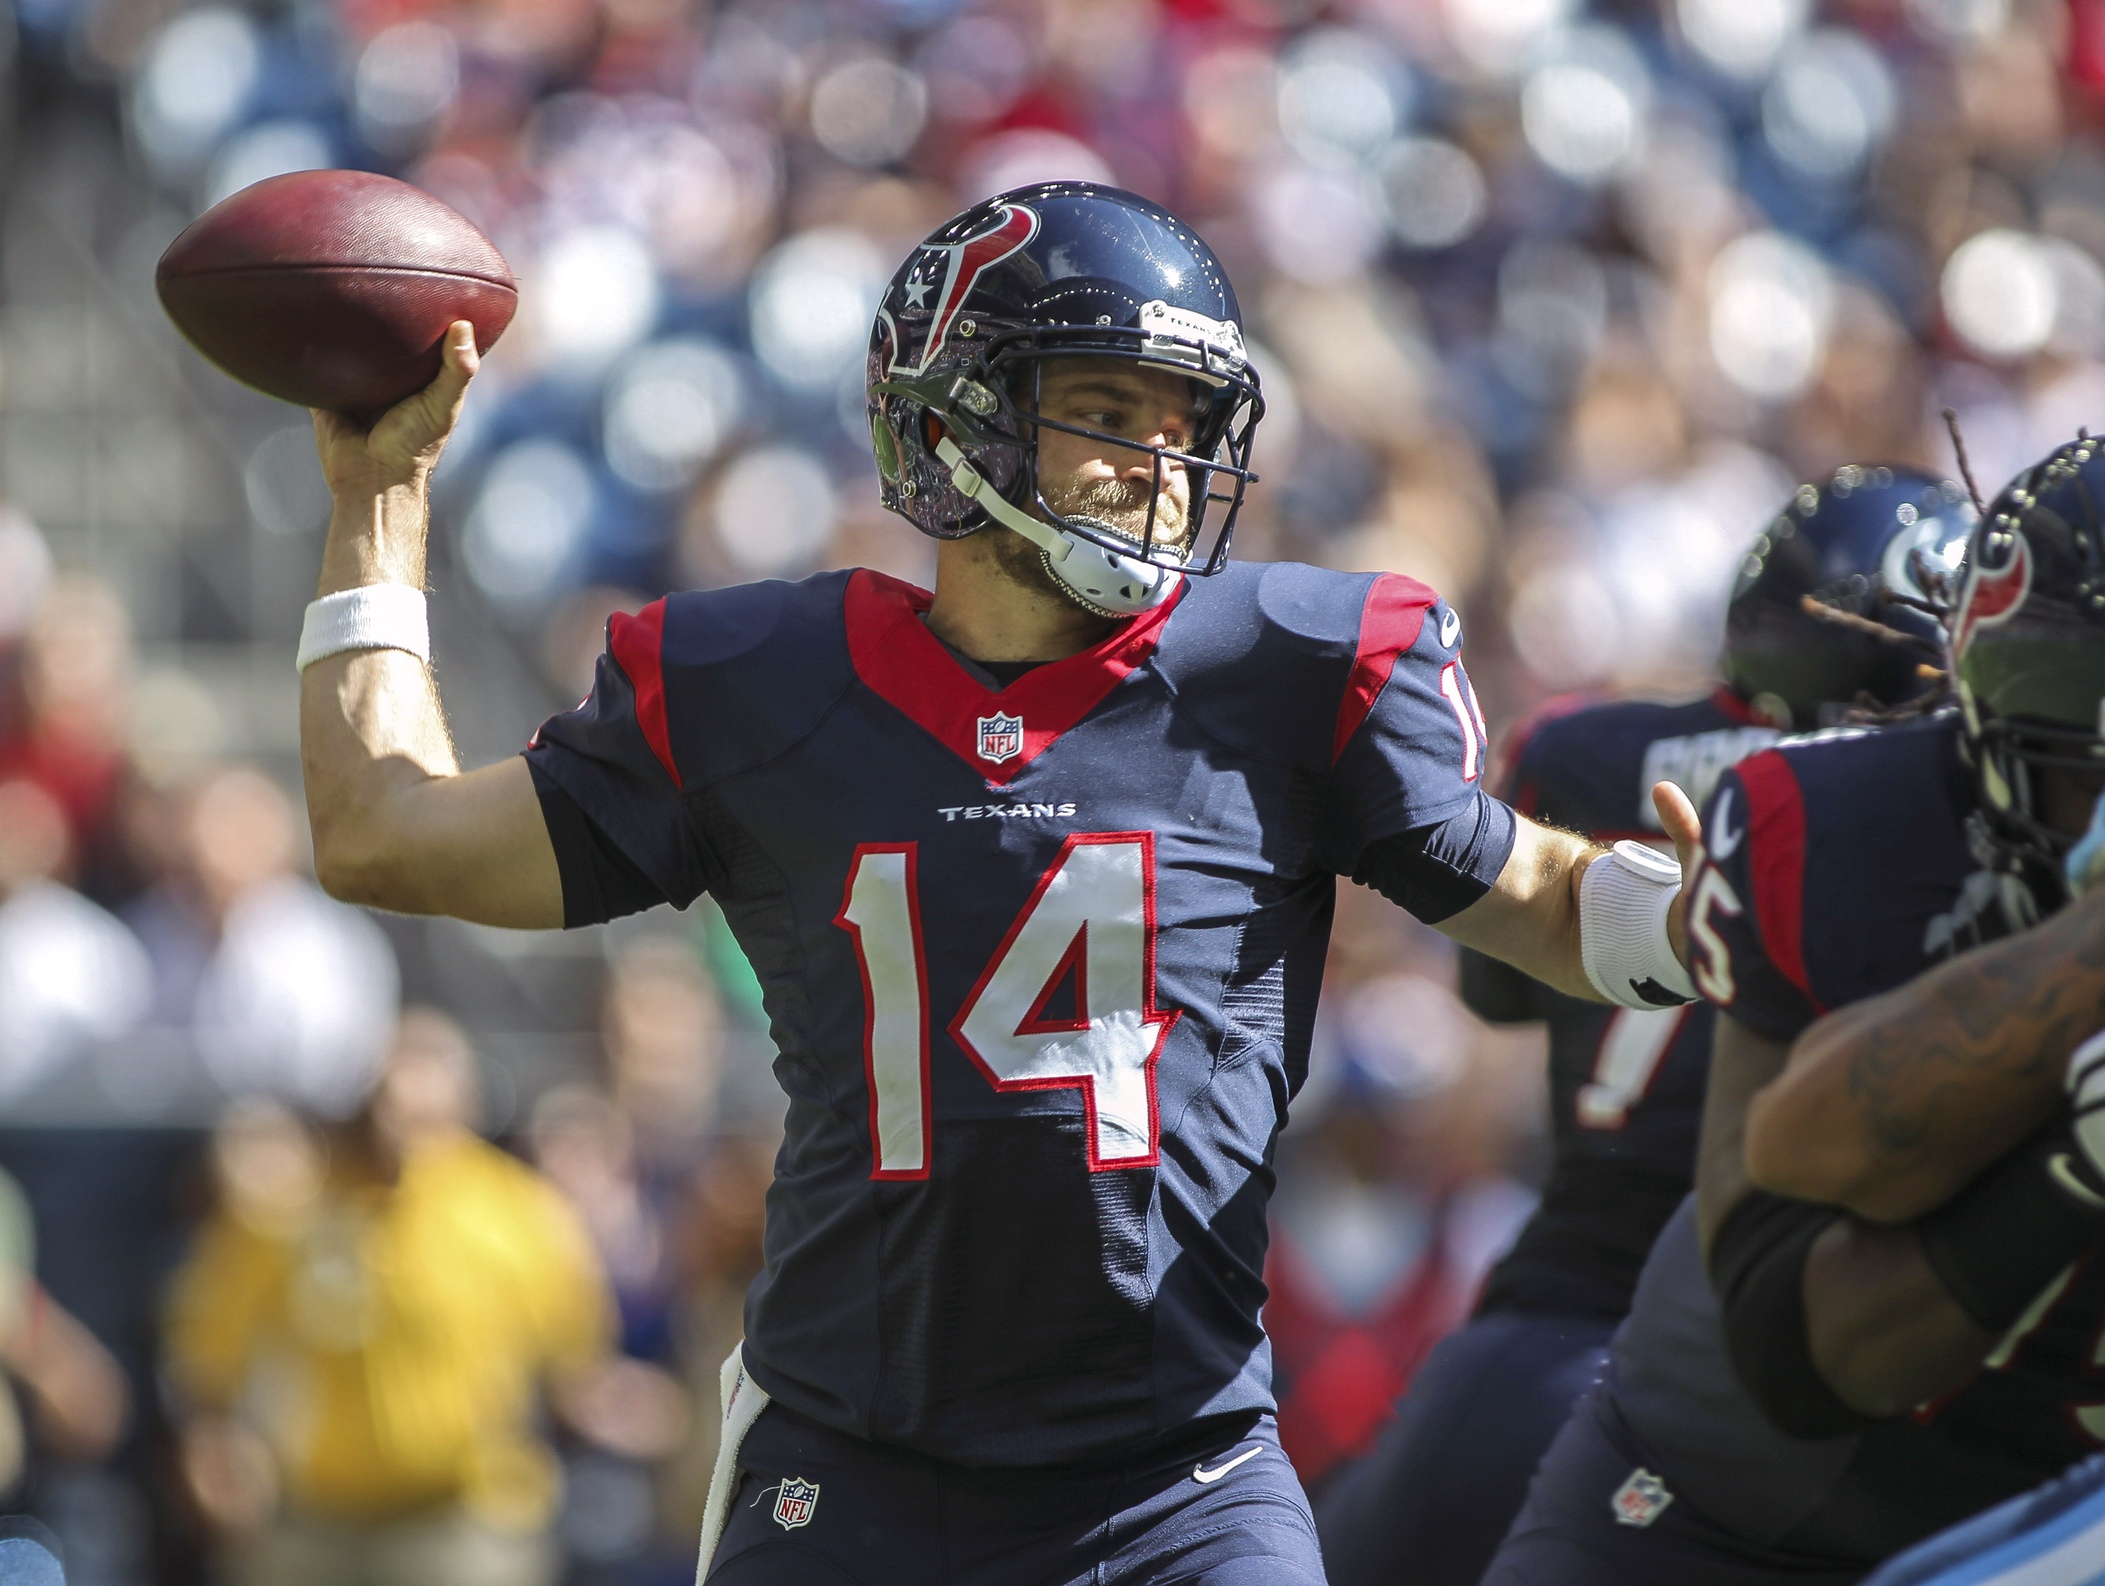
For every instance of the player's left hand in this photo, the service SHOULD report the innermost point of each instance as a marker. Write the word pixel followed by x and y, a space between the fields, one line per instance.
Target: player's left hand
pixel 1682 824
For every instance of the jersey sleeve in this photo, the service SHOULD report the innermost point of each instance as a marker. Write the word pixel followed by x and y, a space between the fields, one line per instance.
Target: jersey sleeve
pixel 1746 914
pixel 623 834
pixel 1408 751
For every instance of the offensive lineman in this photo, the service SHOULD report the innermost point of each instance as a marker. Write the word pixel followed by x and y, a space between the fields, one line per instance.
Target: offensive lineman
pixel 1036 873
pixel 1433 1500
pixel 1799 1393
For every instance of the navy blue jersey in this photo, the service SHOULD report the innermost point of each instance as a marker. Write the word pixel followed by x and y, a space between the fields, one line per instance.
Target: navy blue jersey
pixel 1041 962
pixel 1838 868
pixel 1626 1084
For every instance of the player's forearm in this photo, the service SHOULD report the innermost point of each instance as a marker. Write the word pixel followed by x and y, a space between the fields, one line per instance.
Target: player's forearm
pixel 378 525
pixel 1885 1335
pixel 1530 919
pixel 1890 1106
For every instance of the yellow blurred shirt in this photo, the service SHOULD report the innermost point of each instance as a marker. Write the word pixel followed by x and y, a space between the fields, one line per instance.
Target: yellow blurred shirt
pixel 392 1343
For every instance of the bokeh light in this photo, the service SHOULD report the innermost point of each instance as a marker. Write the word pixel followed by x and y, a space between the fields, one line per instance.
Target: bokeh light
pixel 1829 105
pixel 1959 21
pixel 812 301
pixel 868 111
pixel 669 409
pixel 270 148
pixel 197 77
pixel 1432 192
pixel 1999 293
pixel 527 522
pixel 1500 36
pixel 1584 108
pixel 1318 224
pixel 405 79
pixel 594 295
pixel 975 68
pixel 774 510
pixel 1339 96
pixel 1552 309
pixel 1741 38
pixel 1023 155
pixel 1771 304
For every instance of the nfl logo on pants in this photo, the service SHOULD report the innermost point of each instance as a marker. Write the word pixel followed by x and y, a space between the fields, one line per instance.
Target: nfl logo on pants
pixel 1640 1499
pixel 1000 738
pixel 794 1501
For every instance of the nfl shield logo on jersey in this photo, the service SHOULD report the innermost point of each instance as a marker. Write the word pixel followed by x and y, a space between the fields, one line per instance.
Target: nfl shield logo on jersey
pixel 1641 1499
pixel 794 1501
pixel 1000 738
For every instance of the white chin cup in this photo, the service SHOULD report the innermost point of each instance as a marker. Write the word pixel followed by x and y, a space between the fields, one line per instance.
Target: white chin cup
pixel 1103 580
pixel 1107 582
pixel 1623 901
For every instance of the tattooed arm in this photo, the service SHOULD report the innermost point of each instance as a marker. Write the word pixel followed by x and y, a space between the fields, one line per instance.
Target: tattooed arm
pixel 1891 1105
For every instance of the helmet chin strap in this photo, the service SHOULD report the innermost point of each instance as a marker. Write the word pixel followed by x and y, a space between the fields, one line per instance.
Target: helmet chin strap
pixel 1104 581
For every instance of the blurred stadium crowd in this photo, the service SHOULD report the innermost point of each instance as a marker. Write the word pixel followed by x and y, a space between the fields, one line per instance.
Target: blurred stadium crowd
pixel 1553 302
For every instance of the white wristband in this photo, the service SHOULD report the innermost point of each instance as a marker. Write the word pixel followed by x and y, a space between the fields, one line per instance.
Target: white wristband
pixel 1623 900
pixel 373 617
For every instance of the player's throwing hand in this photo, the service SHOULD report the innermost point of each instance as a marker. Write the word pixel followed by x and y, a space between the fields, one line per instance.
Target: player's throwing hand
pixel 403 444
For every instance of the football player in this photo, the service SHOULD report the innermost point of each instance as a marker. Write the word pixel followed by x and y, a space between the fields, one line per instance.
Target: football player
pixel 1434 1498
pixel 1800 1391
pixel 1036 871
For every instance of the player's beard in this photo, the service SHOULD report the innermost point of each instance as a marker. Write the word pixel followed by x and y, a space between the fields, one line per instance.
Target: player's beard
pixel 1123 508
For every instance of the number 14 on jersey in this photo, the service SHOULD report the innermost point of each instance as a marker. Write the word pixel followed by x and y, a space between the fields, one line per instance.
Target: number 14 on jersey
pixel 1088 926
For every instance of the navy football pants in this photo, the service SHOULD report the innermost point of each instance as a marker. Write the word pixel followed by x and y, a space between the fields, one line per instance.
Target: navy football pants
pixel 1567 1533
pixel 2054 1536
pixel 1430 1503
pixel 1234 1516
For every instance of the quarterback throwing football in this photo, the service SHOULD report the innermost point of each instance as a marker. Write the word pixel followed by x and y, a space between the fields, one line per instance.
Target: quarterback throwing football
pixel 1037 873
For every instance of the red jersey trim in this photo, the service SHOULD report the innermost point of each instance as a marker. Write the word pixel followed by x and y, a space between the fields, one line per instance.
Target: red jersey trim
pixel 1735 709
pixel 638 644
pixel 1776 858
pixel 905 665
pixel 1389 624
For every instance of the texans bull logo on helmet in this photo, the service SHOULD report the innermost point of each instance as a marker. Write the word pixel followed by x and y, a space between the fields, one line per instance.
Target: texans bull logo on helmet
pixel 921 309
pixel 1993 594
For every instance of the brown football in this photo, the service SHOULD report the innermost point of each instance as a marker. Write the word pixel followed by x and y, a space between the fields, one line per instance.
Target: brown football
pixel 333 289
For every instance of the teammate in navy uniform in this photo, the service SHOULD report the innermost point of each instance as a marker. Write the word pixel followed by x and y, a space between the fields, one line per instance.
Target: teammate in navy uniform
pixel 1798 1392
pixel 1036 873
pixel 1434 1498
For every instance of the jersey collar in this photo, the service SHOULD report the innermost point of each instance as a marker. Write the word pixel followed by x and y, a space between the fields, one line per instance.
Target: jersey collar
pixel 996 733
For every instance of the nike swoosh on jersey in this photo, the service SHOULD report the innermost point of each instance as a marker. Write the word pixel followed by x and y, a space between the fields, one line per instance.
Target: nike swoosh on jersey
pixel 1200 1473
pixel 1724 839
pixel 1450 627
pixel 2063 1169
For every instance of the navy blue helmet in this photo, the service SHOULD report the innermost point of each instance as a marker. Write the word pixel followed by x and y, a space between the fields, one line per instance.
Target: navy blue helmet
pixel 959 349
pixel 2028 652
pixel 1836 602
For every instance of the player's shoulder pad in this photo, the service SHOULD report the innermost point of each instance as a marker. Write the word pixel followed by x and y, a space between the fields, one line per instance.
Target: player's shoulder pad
pixel 1282 661
pixel 727 679
pixel 1831 794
